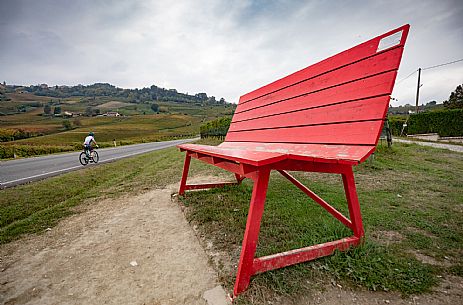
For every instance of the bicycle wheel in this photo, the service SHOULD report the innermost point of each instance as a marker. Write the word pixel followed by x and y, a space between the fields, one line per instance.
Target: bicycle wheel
pixel 83 158
pixel 95 157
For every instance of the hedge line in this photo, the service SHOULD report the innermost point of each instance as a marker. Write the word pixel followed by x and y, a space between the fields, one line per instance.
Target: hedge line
pixel 446 123
pixel 8 151
pixel 396 124
pixel 7 135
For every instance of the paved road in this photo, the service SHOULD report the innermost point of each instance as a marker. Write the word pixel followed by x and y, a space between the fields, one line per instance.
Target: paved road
pixel 15 172
pixel 452 147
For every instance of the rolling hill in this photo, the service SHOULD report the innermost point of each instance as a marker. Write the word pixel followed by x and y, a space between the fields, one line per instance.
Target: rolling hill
pixel 25 128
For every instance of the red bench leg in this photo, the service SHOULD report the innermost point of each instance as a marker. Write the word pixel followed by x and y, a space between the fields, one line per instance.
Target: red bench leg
pixel 353 203
pixel 186 167
pixel 239 178
pixel 251 234
pixel 184 186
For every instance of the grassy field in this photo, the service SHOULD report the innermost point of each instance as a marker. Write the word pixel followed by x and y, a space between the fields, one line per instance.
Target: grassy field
pixel 134 128
pixel 139 123
pixel 125 130
pixel 410 196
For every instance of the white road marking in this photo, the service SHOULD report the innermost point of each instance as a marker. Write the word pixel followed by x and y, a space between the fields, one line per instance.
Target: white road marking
pixel 39 175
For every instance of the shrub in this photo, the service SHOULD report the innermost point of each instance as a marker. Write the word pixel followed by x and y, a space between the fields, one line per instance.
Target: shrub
pixel 447 123
pixel 8 151
pixel 396 124
pixel 155 107
pixel 47 109
pixel 57 110
pixel 216 128
pixel 67 125
pixel 7 135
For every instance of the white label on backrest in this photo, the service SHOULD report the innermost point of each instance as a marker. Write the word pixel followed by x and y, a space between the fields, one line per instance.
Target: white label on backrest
pixel 389 41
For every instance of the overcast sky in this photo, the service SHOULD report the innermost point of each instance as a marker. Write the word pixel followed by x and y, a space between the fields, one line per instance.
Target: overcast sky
pixel 224 48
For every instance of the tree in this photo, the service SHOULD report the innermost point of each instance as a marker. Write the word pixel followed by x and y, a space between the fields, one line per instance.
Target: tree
pixel 67 125
pixel 3 96
pixel 57 110
pixel 455 99
pixel 47 109
pixel 88 111
pixel 22 108
pixel 211 100
pixel 201 96
pixel 155 107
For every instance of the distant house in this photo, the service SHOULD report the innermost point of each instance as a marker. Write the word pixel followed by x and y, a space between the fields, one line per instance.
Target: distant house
pixel 112 113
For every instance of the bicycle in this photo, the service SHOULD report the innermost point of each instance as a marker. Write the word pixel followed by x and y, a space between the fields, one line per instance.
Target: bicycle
pixel 89 156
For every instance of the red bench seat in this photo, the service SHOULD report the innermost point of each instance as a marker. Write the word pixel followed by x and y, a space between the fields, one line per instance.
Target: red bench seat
pixel 258 154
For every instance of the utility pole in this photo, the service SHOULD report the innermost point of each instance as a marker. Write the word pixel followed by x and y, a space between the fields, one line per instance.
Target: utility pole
pixel 418 90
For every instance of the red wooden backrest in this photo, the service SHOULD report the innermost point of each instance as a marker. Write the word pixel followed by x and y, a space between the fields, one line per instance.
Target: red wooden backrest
pixel 340 100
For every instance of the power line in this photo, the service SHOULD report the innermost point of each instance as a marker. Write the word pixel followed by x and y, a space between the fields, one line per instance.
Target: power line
pixel 447 63
pixel 406 77
pixel 427 68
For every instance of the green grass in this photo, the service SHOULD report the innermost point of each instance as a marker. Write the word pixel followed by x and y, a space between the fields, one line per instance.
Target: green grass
pixel 412 191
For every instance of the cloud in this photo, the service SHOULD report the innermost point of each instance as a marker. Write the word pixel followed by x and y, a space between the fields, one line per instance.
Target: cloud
pixel 224 48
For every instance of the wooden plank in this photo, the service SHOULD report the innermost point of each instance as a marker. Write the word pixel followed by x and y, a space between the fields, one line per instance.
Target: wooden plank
pixel 208 185
pixel 257 158
pixel 356 53
pixel 358 133
pixel 284 259
pixel 370 109
pixel 374 65
pixel 373 86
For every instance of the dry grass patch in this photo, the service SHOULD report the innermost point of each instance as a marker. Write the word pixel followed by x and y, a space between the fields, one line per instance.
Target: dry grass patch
pixel 113 105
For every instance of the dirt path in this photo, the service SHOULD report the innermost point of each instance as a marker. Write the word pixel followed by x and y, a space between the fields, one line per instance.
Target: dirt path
pixel 137 250
pixel 452 147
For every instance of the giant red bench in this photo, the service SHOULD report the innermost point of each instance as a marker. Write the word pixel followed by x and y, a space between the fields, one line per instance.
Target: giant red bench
pixel 324 118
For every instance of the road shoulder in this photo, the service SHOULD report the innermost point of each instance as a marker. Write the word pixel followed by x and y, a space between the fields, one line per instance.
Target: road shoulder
pixel 130 250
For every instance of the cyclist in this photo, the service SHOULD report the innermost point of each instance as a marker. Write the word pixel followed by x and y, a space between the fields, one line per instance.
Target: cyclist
pixel 88 143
